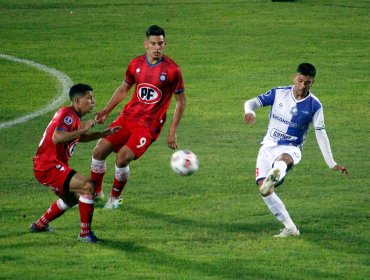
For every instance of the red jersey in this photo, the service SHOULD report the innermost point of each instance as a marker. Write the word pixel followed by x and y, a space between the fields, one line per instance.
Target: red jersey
pixel 48 154
pixel 155 84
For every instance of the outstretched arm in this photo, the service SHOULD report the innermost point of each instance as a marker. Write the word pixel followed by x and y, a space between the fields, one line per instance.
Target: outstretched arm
pixel 324 144
pixel 91 136
pixel 179 111
pixel 117 97
pixel 61 136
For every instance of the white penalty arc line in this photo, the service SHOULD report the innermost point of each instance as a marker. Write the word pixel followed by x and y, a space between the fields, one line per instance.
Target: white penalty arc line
pixel 64 80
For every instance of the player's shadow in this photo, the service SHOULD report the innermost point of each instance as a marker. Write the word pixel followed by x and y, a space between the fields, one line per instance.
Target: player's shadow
pixel 231 227
pixel 227 268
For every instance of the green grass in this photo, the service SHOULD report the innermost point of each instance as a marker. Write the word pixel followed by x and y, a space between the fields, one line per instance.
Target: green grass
pixel 212 225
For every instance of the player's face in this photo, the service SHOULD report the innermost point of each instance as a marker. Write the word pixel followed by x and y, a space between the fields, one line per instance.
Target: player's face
pixel 86 103
pixel 302 84
pixel 155 46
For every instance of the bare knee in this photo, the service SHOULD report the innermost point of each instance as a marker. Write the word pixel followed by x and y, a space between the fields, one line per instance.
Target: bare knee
pixel 102 149
pixel 286 158
pixel 123 161
pixel 124 157
pixel 88 188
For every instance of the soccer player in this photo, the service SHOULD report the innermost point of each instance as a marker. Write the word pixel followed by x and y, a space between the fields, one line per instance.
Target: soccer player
pixel 156 78
pixel 50 163
pixel 293 108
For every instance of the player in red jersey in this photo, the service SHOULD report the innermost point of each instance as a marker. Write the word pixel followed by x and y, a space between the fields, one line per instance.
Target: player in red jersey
pixel 50 163
pixel 156 78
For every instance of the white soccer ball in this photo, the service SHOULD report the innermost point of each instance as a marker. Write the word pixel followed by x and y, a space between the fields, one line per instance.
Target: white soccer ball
pixel 184 162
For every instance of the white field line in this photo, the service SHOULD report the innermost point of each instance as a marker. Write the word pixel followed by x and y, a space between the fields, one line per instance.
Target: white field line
pixel 64 80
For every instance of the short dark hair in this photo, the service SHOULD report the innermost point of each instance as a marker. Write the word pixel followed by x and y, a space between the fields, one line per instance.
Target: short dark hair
pixel 306 69
pixel 155 30
pixel 79 90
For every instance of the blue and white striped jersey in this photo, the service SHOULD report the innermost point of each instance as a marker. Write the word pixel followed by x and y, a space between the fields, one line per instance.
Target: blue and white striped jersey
pixel 289 118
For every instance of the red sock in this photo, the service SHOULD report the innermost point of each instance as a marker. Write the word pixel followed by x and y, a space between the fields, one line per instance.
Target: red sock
pixel 51 214
pixel 86 207
pixel 118 187
pixel 98 180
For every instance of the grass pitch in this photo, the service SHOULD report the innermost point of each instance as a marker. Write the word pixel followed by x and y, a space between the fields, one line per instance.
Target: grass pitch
pixel 212 225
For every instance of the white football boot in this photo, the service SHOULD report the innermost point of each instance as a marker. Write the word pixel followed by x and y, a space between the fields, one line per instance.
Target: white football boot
pixel 99 195
pixel 285 232
pixel 272 178
pixel 113 202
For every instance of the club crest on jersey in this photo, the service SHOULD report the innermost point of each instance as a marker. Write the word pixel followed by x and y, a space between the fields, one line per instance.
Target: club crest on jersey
pixel 148 93
pixel 294 111
pixel 163 77
pixel 68 120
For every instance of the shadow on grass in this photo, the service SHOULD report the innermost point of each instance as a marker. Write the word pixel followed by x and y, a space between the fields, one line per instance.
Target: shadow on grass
pixel 227 268
pixel 254 228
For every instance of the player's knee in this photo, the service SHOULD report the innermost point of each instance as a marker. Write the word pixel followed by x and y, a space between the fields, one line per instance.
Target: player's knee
pixel 102 150
pixel 286 158
pixel 123 160
pixel 88 187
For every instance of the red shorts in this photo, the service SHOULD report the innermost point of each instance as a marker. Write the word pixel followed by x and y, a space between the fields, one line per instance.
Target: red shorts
pixel 137 137
pixel 56 178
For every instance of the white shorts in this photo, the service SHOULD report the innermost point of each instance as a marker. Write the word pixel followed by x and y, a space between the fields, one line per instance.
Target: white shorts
pixel 267 156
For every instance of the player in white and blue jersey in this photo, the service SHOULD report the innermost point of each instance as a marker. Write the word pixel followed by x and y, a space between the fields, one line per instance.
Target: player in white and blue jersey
pixel 293 108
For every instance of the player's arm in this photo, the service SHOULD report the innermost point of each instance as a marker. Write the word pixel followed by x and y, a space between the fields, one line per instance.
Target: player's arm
pixel 324 144
pixel 91 136
pixel 249 110
pixel 62 136
pixel 117 97
pixel 179 112
pixel 323 141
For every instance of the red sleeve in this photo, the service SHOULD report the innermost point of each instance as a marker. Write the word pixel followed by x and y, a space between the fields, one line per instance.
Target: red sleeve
pixel 178 82
pixel 129 77
pixel 66 121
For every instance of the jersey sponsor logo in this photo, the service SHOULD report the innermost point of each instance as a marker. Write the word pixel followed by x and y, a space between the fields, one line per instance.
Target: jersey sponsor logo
pixel 291 124
pixel 148 93
pixel 68 120
pixel 277 134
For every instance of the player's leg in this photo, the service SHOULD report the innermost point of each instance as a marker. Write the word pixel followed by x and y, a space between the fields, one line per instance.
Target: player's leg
pixel 84 188
pixel 122 171
pixel 58 180
pixel 138 142
pixel 103 149
pixel 272 201
pixel 55 210
pixel 277 173
pixel 98 164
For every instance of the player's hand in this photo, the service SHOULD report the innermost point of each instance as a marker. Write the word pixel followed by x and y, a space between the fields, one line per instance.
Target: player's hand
pixel 110 130
pixel 101 116
pixel 88 125
pixel 249 118
pixel 341 168
pixel 171 141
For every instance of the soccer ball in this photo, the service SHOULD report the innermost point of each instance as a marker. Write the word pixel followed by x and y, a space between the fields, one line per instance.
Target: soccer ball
pixel 184 162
